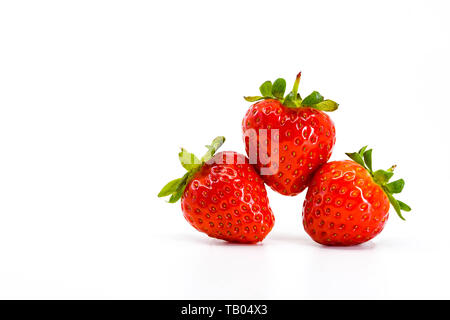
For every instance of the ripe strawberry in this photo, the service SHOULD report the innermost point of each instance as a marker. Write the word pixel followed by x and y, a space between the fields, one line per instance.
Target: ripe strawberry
pixel 222 196
pixel 347 203
pixel 287 158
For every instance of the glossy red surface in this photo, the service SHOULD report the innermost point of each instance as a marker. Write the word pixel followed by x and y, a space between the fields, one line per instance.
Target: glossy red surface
pixel 344 206
pixel 228 201
pixel 306 139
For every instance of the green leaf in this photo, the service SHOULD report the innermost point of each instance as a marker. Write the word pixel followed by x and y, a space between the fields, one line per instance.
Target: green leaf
pixel 170 188
pixel 368 159
pixel 266 89
pixel 253 98
pixel 278 88
pixel 177 194
pixel 396 205
pixel 404 206
pixel 361 151
pixel 313 99
pixel 357 158
pixel 215 144
pixel 327 105
pixel 188 160
pixel 382 176
pixel 396 186
pixel 192 164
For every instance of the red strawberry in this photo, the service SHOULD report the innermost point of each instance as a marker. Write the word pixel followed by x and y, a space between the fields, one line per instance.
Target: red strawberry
pixel 287 158
pixel 347 203
pixel 222 196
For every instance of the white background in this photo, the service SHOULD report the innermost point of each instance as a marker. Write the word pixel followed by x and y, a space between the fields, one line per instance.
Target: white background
pixel 97 96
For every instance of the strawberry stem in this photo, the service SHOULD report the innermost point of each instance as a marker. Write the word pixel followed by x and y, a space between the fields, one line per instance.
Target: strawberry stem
pixel 296 83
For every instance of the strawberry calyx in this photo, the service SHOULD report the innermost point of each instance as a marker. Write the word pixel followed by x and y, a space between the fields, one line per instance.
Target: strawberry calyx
pixel 382 177
pixel 192 164
pixel 293 99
